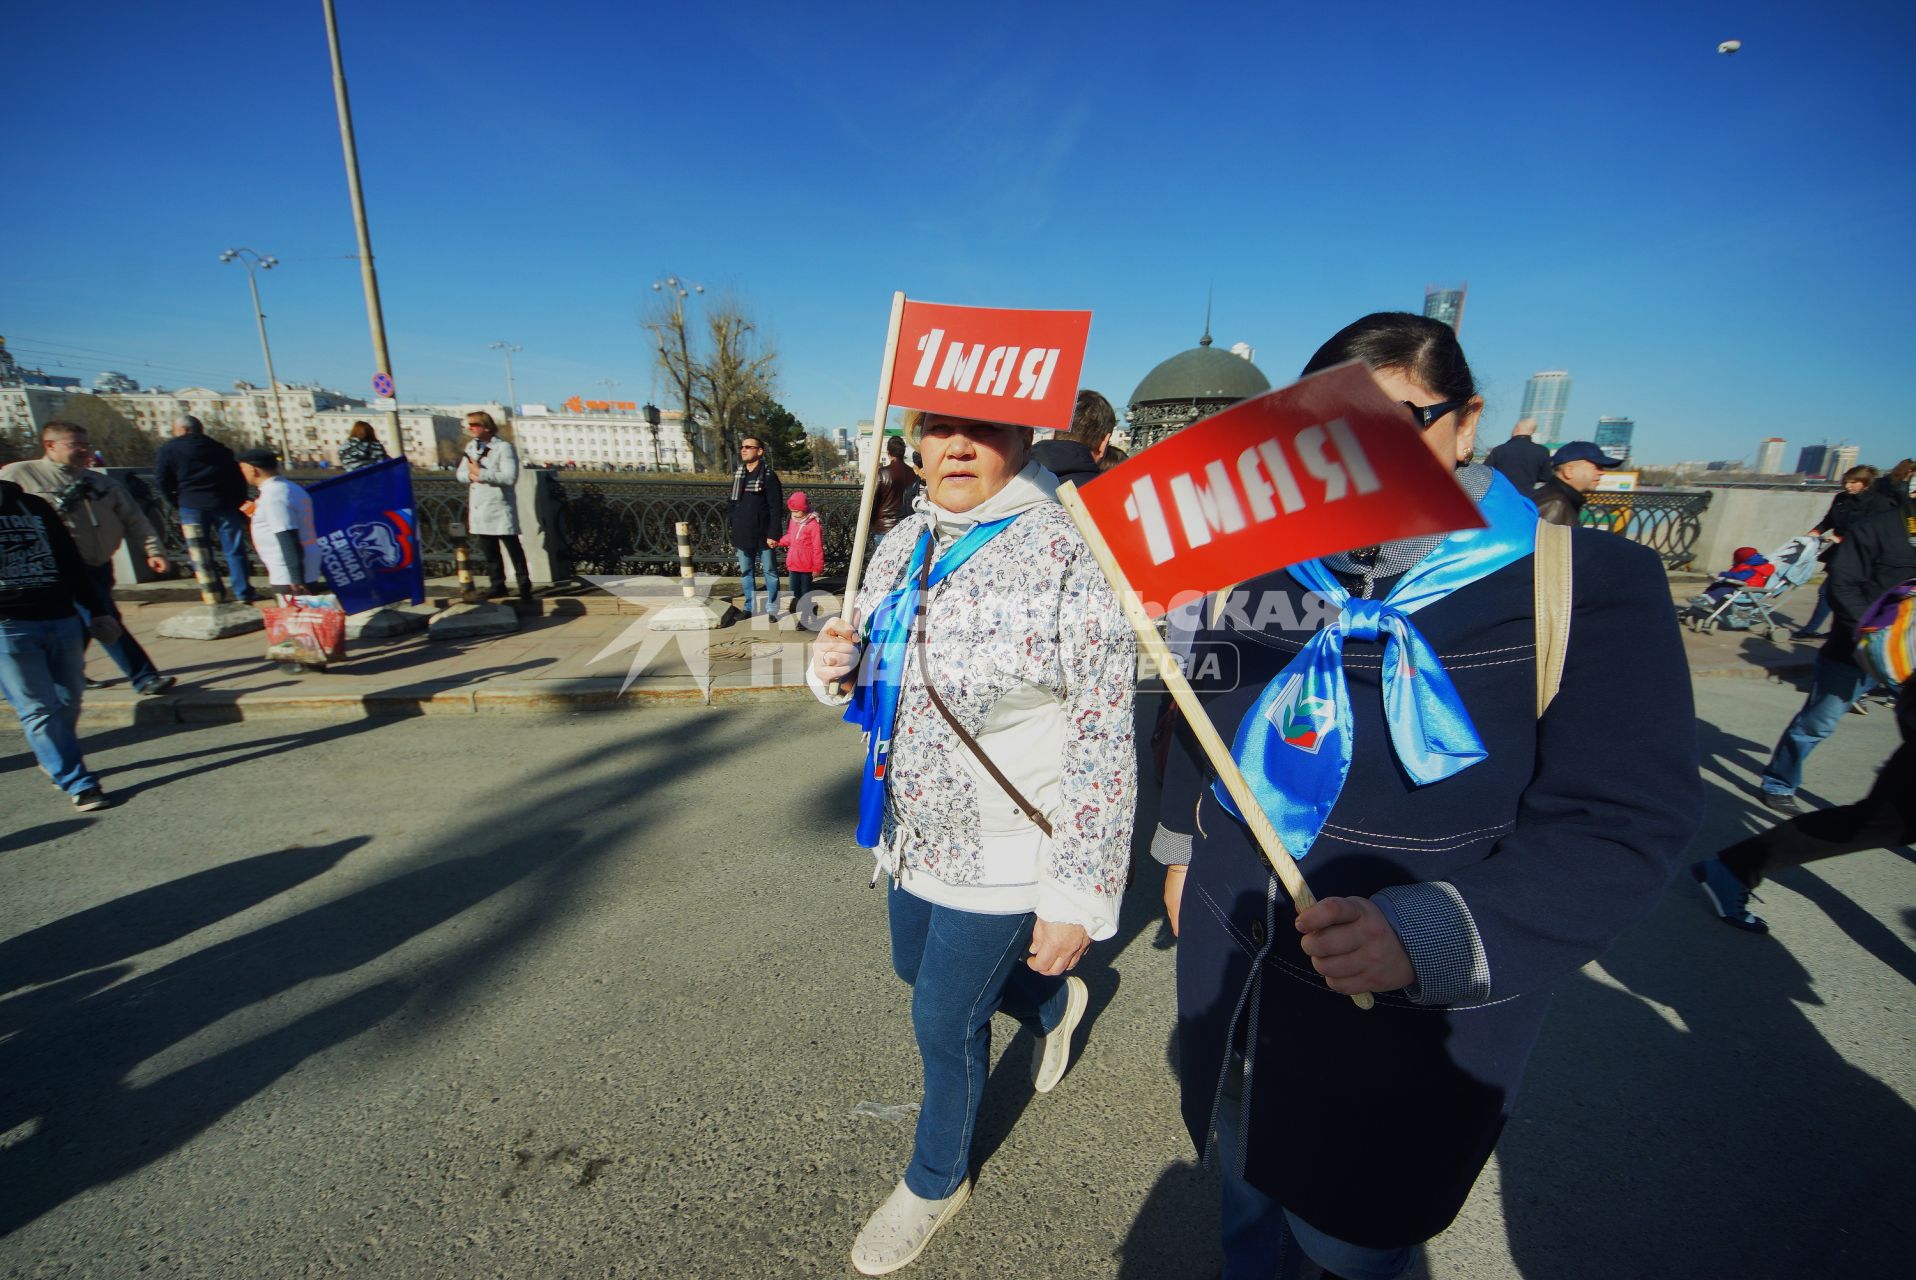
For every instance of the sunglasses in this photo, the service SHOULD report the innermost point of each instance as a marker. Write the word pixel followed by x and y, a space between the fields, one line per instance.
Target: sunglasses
pixel 1429 413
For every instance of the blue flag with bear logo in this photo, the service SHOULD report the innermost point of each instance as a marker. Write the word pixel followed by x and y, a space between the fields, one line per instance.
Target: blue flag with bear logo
pixel 369 536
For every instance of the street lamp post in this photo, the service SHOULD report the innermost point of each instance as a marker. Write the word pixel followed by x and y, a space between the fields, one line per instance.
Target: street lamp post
pixel 250 259
pixel 651 412
pixel 681 290
pixel 512 395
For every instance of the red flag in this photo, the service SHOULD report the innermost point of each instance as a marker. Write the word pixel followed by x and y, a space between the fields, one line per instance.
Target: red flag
pixel 1019 367
pixel 1323 465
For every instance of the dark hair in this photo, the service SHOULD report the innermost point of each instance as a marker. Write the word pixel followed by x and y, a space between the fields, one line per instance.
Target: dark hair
pixel 192 424
pixel 485 420
pixel 1865 474
pixel 360 431
pixel 1092 420
pixel 61 427
pixel 1111 457
pixel 1426 349
pixel 895 446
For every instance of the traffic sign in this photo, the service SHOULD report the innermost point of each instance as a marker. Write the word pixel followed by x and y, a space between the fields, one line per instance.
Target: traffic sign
pixel 383 385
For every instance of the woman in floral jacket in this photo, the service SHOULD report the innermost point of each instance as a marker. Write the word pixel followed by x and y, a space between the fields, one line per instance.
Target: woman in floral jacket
pixel 1003 820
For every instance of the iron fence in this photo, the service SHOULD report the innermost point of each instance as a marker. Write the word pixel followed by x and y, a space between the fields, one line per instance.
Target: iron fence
pixel 628 526
pixel 1667 521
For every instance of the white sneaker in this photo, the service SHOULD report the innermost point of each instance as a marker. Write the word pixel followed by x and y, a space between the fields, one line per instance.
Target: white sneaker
pixel 898 1232
pixel 1057 1041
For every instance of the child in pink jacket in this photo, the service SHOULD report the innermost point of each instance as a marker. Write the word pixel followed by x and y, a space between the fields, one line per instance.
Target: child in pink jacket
pixel 804 544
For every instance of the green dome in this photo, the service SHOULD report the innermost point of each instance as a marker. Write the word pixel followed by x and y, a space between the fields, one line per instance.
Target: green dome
pixel 1202 373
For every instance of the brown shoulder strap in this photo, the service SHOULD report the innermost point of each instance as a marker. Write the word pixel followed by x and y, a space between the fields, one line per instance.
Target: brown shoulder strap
pixel 1551 566
pixel 921 641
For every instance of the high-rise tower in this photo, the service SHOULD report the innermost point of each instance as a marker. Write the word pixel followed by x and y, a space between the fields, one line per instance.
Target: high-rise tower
pixel 1545 397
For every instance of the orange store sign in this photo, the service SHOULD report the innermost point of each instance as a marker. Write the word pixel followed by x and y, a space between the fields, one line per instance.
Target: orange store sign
pixel 577 405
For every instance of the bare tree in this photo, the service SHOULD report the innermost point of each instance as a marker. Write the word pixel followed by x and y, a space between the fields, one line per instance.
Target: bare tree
pixel 736 376
pixel 717 383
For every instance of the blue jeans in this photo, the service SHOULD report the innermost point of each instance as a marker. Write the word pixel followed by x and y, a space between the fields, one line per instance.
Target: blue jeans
pixel 1834 688
pixel 40 674
pixel 962 967
pixel 1265 1241
pixel 126 652
pixel 234 531
pixel 768 569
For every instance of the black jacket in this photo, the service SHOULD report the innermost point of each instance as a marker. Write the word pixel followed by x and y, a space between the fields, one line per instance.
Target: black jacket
pixel 1873 557
pixel 1557 502
pixel 756 514
pixel 1373 1125
pixel 1524 462
pixel 891 502
pixel 1066 459
pixel 198 471
pixel 41 573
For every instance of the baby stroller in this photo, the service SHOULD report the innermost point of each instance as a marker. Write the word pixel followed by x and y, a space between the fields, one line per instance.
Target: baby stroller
pixel 1742 608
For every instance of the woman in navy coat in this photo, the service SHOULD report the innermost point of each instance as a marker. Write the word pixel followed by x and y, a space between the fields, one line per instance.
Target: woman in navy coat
pixel 1353 1136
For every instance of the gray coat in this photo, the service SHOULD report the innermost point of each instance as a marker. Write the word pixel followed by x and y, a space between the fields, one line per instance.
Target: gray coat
pixel 491 504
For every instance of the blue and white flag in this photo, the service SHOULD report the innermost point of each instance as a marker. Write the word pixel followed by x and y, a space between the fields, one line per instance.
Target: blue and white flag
pixel 368 536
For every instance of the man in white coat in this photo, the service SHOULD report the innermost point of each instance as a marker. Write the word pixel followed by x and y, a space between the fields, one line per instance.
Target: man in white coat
pixel 490 470
pixel 284 538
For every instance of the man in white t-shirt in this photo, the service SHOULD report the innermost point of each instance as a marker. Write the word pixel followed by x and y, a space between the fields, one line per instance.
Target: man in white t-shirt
pixel 283 533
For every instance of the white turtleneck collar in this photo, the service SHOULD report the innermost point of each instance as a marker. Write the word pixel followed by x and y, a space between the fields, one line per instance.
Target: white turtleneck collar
pixel 1031 487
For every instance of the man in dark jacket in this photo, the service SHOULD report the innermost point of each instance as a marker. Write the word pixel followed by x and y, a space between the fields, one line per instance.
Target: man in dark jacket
pixel 42 638
pixel 1523 461
pixel 200 478
pixel 756 512
pixel 1574 471
pixel 891 501
pixel 1874 557
pixel 1075 455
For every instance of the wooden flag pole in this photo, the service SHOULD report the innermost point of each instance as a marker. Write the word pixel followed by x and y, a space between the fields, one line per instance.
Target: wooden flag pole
pixel 1180 689
pixel 856 571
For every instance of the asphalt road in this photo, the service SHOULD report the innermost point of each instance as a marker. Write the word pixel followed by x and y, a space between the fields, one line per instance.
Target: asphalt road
pixel 608 996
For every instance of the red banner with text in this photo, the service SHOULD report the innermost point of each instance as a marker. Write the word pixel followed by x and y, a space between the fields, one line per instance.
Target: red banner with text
pixel 1323 465
pixel 1019 367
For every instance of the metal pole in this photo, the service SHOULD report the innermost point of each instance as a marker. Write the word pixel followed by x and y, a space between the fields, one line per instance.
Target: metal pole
pixel 368 277
pixel 512 393
pixel 252 282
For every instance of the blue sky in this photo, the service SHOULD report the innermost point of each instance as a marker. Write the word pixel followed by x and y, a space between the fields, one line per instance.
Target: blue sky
pixel 1719 247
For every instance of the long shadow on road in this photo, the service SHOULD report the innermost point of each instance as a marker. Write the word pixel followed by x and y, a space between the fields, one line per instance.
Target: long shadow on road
pixel 77 1090
pixel 1692 1120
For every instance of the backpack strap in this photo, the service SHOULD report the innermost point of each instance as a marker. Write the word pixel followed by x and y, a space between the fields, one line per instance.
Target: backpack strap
pixel 1551 568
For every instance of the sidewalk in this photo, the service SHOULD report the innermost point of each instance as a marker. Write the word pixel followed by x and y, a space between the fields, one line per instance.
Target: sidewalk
pixel 558 662
pixel 552 663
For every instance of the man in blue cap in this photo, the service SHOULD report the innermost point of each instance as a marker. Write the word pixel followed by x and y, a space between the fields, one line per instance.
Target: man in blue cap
pixel 1574 471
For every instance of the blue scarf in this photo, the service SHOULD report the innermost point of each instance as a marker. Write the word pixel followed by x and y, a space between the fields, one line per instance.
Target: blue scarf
pixel 881 675
pixel 1294 745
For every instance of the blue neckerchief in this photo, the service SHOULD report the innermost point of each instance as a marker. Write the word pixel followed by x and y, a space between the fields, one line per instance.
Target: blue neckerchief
pixel 1294 745
pixel 881 673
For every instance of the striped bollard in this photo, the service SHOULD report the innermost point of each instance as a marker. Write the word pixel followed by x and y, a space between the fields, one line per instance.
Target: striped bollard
pixel 205 571
pixel 462 559
pixel 690 613
pixel 217 616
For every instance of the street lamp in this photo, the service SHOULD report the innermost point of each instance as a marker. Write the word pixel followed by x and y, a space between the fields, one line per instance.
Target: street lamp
pixel 250 259
pixel 651 412
pixel 681 290
pixel 512 396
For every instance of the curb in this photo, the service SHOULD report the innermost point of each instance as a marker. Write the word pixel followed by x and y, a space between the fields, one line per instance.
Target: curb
pixel 212 707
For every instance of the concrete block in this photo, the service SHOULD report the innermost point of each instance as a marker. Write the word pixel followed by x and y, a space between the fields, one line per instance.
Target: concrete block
pixel 378 624
pixel 691 615
pixel 469 621
pixel 212 622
